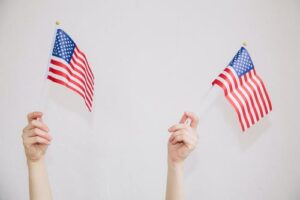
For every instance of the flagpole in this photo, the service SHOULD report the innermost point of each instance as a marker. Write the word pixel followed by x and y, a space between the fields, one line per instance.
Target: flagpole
pixel 208 100
pixel 45 88
pixel 210 97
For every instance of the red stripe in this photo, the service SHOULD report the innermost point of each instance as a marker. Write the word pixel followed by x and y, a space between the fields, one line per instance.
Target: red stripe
pixel 255 95
pixel 243 109
pixel 232 76
pixel 68 86
pixel 90 80
pixel 241 93
pixel 239 101
pixel 85 61
pixel 219 83
pixel 57 72
pixel 85 78
pixel 264 88
pixel 85 66
pixel 81 73
pixel 89 85
pixel 223 76
pixel 59 64
pixel 260 93
pixel 247 104
pixel 250 96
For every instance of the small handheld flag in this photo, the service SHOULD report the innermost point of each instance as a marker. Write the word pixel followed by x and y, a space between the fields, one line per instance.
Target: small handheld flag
pixel 69 67
pixel 244 89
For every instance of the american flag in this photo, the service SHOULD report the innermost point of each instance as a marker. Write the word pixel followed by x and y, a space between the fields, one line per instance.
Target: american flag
pixel 69 67
pixel 244 89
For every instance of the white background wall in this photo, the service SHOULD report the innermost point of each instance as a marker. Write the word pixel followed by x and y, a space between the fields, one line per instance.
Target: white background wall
pixel 152 59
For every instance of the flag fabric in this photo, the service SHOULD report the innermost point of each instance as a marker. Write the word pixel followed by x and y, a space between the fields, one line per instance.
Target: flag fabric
pixel 69 67
pixel 244 89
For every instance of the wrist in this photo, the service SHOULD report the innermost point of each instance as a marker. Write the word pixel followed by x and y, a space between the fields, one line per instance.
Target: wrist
pixel 176 165
pixel 31 162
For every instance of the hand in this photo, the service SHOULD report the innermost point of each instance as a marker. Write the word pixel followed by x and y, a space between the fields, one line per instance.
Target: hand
pixel 183 139
pixel 36 137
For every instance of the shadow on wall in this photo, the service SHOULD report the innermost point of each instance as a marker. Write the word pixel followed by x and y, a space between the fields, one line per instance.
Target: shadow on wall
pixel 251 135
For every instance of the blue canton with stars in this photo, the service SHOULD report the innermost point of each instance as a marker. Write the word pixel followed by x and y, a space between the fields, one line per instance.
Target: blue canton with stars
pixel 64 46
pixel 242 62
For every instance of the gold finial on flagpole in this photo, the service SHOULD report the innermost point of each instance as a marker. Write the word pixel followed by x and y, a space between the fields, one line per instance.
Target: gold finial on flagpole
pixel 57 23
pixel 244 43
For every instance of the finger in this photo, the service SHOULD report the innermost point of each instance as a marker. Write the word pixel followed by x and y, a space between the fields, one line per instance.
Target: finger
pixel 177 127
pixel 174 134
pixel 180 138
pixel 37 140
pixel 37 132
pixel 34 115
pixel 37 124
pixel 183 118
pixel 184 139
pixel 194 118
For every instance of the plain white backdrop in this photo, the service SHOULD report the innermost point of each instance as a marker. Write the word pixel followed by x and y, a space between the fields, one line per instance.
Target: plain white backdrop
pixel 152 60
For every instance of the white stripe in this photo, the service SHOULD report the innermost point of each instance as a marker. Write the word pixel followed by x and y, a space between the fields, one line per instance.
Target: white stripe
pixel 77 67
pixel 72 78
pixel 255 108
pixel 84 64
pixel 88 80
pixel 246 96
pixel 234 101
pixel 251 82
pixel 262 91
pixel 90 91
pixel 245 91
pixel 73 71
pixel 238 96
pixel 63 79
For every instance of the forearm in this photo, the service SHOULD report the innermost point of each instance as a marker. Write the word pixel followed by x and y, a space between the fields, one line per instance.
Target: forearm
pixel 175 186
pixel 39 187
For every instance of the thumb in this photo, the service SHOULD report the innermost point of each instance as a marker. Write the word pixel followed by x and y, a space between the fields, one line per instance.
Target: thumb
pixel 194 120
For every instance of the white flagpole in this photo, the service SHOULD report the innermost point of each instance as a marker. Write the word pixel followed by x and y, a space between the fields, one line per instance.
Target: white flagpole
pixel 208 101
pixel 44 90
